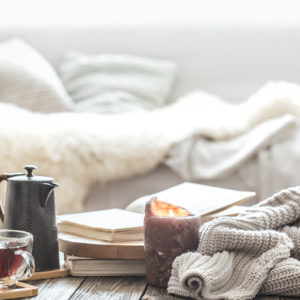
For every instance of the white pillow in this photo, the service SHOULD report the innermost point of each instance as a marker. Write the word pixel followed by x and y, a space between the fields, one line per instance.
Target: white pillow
pixel 29 81
pixel 110 83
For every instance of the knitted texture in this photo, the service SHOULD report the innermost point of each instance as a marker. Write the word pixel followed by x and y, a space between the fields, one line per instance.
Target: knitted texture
pixel 239 257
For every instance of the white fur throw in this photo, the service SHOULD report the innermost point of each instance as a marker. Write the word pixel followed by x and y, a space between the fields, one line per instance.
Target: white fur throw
pixel 81 149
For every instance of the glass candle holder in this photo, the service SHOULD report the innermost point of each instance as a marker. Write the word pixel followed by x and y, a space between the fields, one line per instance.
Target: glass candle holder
pixel 169 231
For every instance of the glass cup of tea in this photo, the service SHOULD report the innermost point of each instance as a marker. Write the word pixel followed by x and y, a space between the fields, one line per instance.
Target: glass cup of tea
pixel 16 261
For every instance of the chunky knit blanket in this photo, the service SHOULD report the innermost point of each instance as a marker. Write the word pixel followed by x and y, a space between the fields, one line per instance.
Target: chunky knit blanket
pixel 239 257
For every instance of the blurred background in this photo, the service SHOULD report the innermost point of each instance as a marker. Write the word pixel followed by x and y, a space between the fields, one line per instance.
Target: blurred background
pixel 119 99
pixel 209 40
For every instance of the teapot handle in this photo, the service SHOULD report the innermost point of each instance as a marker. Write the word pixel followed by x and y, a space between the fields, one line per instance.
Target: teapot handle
pixel 2 177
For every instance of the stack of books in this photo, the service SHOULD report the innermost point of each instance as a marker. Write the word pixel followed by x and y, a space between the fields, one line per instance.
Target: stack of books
pixel 103 243
pixel 110 242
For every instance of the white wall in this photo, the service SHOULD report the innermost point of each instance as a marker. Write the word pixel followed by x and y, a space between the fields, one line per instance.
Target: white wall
pixel 161 12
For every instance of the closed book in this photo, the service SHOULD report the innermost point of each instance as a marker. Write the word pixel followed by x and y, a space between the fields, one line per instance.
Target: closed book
pixel 111 225
pixel 83 266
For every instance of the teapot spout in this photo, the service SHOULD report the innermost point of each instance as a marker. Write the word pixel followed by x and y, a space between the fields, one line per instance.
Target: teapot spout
pixel 45 191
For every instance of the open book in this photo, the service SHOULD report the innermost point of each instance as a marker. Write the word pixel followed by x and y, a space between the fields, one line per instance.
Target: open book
pixel 111 225
pixel 196 198
pixel 118 225
pixel 228 212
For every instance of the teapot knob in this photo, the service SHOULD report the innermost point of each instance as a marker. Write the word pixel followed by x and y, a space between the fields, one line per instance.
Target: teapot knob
pixel 29 169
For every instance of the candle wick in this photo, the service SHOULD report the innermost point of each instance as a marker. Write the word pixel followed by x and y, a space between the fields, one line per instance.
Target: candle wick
pixel 171 213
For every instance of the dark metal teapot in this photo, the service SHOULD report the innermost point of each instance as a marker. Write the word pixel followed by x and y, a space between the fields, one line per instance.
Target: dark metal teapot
pixel 30 206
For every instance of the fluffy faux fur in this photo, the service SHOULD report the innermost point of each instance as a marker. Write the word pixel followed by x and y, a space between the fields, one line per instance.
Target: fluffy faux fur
pixel 78 150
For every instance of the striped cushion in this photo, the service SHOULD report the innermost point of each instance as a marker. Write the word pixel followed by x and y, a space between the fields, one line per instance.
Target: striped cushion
pixel 29 81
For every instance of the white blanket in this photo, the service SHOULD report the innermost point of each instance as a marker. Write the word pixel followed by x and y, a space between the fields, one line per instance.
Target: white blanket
pixel 81 149
pixel 201 158
pixel 279 164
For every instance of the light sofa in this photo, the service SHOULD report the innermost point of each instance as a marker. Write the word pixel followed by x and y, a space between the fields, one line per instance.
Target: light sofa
pixel 231 60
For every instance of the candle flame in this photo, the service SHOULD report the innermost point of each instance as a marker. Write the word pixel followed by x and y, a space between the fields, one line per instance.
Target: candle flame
pixel 163 209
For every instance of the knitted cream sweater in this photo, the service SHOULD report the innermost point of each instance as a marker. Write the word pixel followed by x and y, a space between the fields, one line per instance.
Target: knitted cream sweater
pixel 238 257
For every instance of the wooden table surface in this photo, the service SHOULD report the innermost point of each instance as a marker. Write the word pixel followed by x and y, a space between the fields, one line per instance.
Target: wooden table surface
pixel 96 288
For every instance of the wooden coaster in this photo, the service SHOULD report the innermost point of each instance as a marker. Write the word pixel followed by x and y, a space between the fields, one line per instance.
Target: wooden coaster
pixel 62 272
pixel 21 290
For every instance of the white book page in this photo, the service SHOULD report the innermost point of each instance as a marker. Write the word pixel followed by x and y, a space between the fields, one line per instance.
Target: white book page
pixel 197 198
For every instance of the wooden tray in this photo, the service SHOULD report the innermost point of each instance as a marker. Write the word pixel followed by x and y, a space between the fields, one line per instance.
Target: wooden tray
pixel 21 290
pixel 79 246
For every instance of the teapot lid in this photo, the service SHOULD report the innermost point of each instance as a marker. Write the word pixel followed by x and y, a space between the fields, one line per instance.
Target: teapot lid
pixel 29 176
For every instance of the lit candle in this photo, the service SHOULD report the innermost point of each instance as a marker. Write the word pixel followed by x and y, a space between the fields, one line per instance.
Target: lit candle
pixel 169 232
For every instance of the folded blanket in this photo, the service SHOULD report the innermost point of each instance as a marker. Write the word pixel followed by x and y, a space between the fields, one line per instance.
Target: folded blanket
pixel 238 257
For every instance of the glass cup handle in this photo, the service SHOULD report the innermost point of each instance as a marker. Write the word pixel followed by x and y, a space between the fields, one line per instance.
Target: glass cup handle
pixel 30 264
